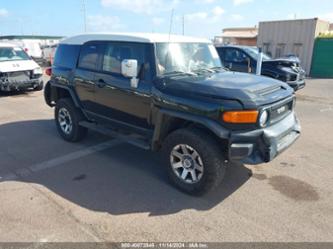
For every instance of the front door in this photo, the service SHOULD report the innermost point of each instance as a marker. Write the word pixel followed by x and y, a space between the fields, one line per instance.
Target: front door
pixel 114 96
pixel 84 74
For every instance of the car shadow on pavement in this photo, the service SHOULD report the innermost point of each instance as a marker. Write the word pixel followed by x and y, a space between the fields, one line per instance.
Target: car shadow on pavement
pixel 17 94
pixel 119 180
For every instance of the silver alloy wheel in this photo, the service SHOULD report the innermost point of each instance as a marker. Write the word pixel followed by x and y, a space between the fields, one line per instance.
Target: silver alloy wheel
pixel 65 121
pixel 186 163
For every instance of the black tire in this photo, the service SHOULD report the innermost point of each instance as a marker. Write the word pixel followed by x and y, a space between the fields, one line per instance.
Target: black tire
pixel 77 132
pixel 211 155
pixel 40 87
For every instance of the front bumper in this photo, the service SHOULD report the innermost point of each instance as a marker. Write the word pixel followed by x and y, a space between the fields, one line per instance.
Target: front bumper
pixel 9 85
pixel 297 85
pixel 263 145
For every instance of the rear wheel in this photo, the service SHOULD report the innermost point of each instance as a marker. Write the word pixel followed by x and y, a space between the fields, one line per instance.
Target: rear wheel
pixel 67 118
pixel 194 160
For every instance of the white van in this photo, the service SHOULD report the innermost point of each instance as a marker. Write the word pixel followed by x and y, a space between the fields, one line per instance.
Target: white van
pixel 18 71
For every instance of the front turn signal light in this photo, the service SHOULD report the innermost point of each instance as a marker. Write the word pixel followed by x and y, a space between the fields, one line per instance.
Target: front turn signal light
pixel 240 117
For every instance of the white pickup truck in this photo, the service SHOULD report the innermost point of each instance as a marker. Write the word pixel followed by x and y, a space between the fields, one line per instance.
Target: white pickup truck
pixel 18 71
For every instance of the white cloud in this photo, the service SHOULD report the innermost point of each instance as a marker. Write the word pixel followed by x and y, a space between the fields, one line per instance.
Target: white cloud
pixel 327 16
pixel 141 6
pixel 196 16
pixel 205 1
pixel 237 17
pixel 239 2
pixel 218 11
pixel 209 17
pixel 3 12
pixel 157 21
pixel 99 23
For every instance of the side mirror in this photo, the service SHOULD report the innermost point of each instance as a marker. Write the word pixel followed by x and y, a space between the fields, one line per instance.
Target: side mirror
pixel 129 69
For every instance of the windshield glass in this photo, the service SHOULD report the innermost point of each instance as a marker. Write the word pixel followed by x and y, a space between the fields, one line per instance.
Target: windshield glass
pixel 254 52
pixel 12 54
pixel 186 57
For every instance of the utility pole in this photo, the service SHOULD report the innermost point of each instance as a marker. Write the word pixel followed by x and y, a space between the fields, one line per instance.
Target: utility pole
pixel 183 24
pixel 84 11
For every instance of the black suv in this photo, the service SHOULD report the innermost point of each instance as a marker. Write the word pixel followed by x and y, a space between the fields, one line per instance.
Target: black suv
pixel 170 94
pixel 244 59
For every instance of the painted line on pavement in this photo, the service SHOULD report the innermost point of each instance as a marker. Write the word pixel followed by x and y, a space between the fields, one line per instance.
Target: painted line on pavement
pixel 58 161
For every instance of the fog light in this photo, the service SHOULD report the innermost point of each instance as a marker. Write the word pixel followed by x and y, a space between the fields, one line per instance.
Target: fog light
pixel 263 118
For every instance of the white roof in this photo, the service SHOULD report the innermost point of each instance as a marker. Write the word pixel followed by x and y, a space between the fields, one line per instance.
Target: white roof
pixel 131 37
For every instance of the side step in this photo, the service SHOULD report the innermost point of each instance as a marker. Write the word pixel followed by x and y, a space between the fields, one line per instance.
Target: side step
pixel 134 139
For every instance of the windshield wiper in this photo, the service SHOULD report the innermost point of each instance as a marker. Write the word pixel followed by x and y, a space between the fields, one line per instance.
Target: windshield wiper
pixel 218 69
pixel 208 70
pixel 179 72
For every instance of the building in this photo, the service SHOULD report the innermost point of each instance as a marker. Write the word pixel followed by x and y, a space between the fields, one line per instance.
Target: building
pixel 331 27
pixel 42 40
pixel 280 38
pixel 238 36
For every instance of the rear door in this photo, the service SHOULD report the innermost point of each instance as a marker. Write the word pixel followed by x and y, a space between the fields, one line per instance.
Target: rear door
pixel 115 98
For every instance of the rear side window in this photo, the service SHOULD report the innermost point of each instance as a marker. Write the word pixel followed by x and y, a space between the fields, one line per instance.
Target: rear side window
pixel 66 56
pixel 89 56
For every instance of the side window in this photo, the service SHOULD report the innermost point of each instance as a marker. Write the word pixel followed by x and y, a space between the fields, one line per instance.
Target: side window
pixel 235 55
pixel 89 56
pixel 115 53
pixel 66 56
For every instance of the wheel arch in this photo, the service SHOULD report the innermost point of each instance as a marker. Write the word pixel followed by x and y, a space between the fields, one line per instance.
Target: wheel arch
pixel 168 121
pixel 54 92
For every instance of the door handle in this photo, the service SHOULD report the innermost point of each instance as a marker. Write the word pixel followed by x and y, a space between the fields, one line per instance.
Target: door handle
pixel 101 83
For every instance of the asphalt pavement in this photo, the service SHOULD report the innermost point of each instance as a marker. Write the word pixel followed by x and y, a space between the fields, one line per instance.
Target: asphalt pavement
pixel 104 190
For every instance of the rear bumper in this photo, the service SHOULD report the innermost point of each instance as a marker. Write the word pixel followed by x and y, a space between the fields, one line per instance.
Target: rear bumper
pixel 20 85
pixel 263 145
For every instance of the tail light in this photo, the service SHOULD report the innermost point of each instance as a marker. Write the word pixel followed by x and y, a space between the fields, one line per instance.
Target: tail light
pixel 48 71
pixel 26 50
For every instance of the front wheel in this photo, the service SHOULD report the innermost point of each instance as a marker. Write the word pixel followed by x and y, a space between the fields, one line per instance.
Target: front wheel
pixel 194 161
pixel 39 87
pixel 67 118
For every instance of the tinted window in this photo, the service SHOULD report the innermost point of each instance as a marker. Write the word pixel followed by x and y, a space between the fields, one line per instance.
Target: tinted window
pixel 235 55
pixel 115 53
pixel 66 56
pixel 89 56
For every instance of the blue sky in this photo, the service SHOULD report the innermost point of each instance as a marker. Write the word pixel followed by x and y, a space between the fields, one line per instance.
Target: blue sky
pixel 204 18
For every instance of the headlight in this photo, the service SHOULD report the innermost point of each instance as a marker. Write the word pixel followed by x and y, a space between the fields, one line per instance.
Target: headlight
pixel 38 70
pixel 263 118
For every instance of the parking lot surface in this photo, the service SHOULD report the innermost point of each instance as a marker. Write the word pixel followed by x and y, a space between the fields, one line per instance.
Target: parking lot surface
pixel 104 190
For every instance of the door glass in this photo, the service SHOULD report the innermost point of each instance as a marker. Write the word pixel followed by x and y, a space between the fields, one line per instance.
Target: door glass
pixel 235 56
pixel 89 56
pixel 115 53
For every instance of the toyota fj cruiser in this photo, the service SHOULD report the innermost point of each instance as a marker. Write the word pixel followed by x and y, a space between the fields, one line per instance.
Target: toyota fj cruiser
pixel 170 93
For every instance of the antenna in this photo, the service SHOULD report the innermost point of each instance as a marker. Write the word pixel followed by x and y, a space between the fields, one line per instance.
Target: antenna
pixel 84 11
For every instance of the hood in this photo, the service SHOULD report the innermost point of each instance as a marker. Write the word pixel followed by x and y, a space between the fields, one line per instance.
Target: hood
pixel 250 90
pixel 14 66
pixel 286 62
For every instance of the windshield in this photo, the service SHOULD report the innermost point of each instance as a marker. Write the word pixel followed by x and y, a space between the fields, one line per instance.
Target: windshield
pixel 186 57
pixel 13 54
pixel 254 52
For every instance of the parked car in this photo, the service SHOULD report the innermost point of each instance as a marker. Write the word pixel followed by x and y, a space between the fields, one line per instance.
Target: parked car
pixel 48 53
pixel 17 70
pixel 244 59
pixel 170 94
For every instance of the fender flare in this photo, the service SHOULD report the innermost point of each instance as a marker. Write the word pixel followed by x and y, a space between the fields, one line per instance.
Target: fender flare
pixel 162 122
pixel 50 95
